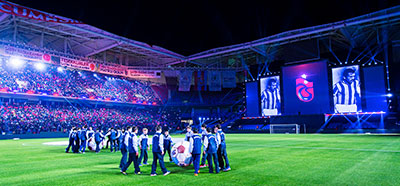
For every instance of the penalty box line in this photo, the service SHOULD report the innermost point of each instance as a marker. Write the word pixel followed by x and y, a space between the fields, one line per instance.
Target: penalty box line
pixel 320 148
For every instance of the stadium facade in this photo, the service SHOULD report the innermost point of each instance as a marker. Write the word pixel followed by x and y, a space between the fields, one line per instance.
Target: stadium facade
pixel 54 65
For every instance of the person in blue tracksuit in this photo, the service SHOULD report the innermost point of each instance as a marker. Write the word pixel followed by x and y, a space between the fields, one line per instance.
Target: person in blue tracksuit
pixel 195 150
pixel 210 144
pixel 158 153
pixel 167 144
pixel 119 138
pixel 203 135
pixel 83 137
pixel 71 137
pixel 144 145
pixel 222 155
pixel 76 146
pixel 112 134
pixel 98 138
pixel 189 133
pixel 133 152
pixel 124 147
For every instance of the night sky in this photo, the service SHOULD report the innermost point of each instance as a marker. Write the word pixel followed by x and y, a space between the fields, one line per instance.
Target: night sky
pixel 189 26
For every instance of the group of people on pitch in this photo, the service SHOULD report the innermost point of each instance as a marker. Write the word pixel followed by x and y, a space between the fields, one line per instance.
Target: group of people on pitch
pixel 214 149
pixel 79 137
pixel 132 144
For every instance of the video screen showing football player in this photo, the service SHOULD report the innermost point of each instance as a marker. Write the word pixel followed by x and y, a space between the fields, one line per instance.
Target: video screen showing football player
pixel 346 90
pixel 270 96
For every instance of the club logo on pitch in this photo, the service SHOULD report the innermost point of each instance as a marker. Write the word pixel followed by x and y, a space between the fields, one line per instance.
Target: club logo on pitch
pixel 304 89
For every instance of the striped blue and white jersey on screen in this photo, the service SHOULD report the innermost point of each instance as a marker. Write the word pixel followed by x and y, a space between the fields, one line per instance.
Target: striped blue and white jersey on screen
pixel 345 93
pixel 270 99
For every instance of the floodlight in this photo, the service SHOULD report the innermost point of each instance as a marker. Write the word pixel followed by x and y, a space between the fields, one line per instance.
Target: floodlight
pixel 60 69
pixel 16 62
pixel 40 66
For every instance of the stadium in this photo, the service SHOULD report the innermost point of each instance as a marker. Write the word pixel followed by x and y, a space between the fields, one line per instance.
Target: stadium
pixel 315 105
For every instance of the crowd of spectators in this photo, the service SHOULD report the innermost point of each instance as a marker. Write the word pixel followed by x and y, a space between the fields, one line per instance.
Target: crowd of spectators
pixel 55 80
pixel 23 118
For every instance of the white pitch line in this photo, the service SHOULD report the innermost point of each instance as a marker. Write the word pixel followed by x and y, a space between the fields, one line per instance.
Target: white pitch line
pixel 65 143
pixel 57 143
pixel 321 148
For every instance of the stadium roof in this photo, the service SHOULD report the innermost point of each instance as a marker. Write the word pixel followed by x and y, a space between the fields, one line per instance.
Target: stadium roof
pixel 79 39
pixel 388 16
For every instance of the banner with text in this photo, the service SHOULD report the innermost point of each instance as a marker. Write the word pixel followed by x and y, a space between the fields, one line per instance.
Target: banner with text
pixel 25 54
pixel 134 73
pixel 112 69
pixel 78 64
pixel 21 11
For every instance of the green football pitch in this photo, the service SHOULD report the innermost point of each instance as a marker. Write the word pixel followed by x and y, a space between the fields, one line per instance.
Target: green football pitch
pixel 256 159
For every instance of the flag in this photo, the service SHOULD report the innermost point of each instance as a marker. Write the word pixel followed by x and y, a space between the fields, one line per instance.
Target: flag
pixel 185 79
pixel 200 80
pixel 229 79
pixel 214 78
pixel 55 59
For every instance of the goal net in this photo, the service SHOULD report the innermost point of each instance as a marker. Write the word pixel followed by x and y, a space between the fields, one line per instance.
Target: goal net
pixel 284 129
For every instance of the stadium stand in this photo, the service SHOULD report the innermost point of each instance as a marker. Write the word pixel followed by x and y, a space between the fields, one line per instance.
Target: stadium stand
pixel 34 118
pixel 72 83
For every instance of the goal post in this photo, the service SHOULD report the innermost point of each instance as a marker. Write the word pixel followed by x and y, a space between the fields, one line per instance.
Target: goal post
pixel 284 129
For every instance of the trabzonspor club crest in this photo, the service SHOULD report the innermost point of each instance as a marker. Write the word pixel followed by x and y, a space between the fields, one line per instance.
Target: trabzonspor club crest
pixel 304 89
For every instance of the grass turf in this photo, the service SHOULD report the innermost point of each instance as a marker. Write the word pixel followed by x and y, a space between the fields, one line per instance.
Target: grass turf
pixel 256 159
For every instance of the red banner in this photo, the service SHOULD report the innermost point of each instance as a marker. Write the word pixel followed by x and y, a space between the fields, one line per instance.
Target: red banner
pixel 17 10
pixel 133 73
pixel 78 64
pixel 25 54
pixel 112 69
pixel 105 68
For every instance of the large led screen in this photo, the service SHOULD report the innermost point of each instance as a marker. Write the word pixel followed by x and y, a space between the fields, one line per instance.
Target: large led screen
pixel 346 89
pixel 270 96
pixel 306 89
pixel 252 109
pixel 375 89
